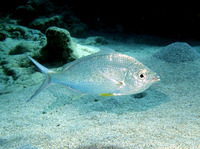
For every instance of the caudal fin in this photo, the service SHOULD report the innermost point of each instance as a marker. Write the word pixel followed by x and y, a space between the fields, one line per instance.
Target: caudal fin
pixel 47 80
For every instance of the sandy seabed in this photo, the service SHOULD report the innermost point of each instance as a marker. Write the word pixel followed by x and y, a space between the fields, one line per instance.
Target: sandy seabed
pixel 167 115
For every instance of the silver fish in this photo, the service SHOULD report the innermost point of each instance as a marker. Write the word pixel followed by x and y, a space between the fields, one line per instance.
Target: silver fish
pixel 106 73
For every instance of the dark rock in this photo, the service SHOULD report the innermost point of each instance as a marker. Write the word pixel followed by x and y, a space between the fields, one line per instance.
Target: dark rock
pixel 60 42
pixel 177 52
pixel 20 32
pixel 9 71
pixel 68 22
pixel 98 40
pixel 3 35
pixel 78 29
pixel 58 38
pixel 43 23
pixel 41 14
pixel 19 40
pixel 33 9
pixel 20 48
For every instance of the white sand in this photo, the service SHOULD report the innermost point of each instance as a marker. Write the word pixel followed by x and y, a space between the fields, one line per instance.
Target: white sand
pixel 168 116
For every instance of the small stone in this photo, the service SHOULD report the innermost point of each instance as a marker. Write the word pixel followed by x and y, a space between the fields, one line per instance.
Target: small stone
pixel 95 100
pixel 44 112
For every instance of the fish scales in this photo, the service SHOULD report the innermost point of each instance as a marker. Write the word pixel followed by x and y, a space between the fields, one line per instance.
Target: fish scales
pixel 99 69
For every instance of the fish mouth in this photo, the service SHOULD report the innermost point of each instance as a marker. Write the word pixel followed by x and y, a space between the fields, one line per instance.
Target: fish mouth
pixel 156 79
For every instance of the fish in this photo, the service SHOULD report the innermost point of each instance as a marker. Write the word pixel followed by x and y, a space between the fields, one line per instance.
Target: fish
pixel 105 73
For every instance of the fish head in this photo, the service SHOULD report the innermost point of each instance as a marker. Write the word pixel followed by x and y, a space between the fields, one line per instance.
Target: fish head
pixel 141 79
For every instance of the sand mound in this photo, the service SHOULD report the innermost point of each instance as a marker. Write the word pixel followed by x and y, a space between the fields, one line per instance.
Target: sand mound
pixel 178 52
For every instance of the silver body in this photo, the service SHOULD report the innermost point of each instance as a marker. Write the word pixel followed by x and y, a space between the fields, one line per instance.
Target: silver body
pixel 110 72
pixel 106 73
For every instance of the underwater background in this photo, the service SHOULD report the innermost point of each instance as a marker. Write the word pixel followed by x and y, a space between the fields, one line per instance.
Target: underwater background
pixel 164 37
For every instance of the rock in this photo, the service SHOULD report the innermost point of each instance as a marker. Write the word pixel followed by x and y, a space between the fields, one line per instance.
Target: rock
pixel 79 51
pixel 25 14
pixel 13 62
pixel 97 40
pixel 58 38
pixel 14 65
pixel 33 9
pixel 21 48
pixel 177 52
pixel 43 23
pixel 20 39
pixel 9 71
pixel 3 35
pixel 41 14
pixel 20 32
pixel 14 31
pixel 77 29
pixel 60 42
pixel 73 24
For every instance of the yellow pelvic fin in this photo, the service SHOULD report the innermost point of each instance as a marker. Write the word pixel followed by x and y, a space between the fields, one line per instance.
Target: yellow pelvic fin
pixel 106 94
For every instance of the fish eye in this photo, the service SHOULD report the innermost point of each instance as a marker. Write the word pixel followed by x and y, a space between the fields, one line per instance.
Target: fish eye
pixel 141 75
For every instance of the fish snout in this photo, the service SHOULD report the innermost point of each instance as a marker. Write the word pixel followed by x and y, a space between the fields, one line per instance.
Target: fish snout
pixel 156 79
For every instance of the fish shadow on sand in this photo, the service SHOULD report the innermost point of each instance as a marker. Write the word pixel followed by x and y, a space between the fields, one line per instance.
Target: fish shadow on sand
pixel 122 104
pixel 149 99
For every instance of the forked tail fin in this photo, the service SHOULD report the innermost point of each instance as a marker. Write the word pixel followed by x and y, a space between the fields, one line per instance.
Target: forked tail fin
pixel 47 80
